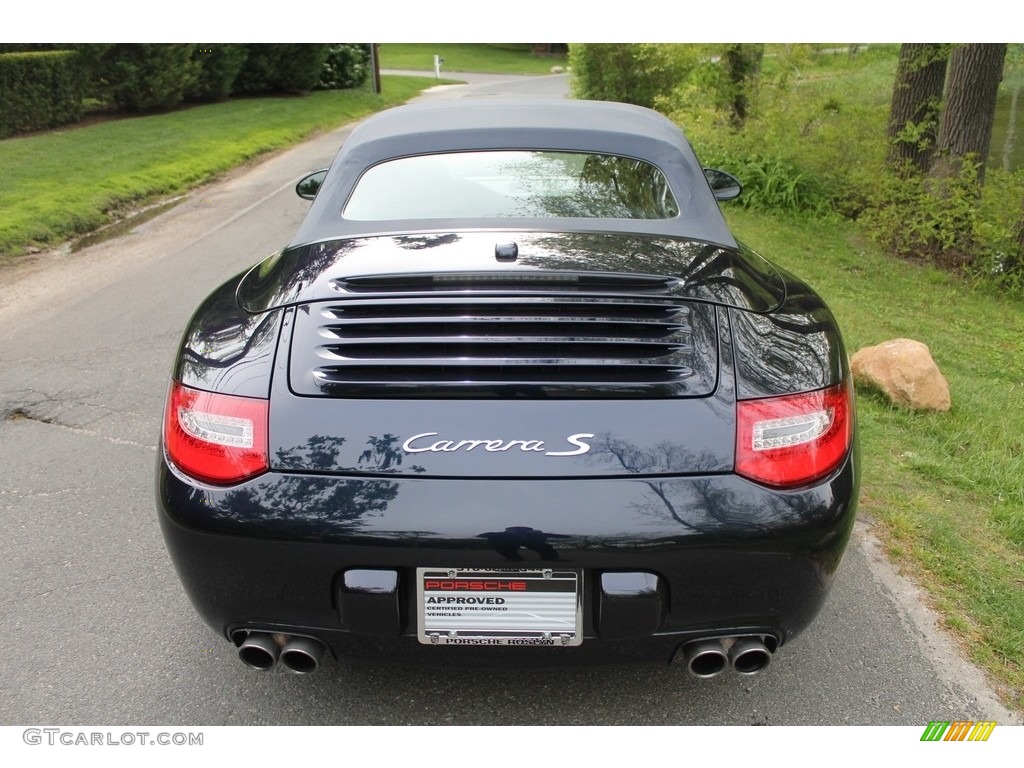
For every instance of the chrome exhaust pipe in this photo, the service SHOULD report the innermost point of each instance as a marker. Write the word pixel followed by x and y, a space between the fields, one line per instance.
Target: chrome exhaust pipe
pixel 302 655
pixel 259 650
pixel 749 655
pixel 705 658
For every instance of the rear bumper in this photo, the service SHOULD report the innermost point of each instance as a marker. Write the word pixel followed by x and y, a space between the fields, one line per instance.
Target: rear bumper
pixel 729 557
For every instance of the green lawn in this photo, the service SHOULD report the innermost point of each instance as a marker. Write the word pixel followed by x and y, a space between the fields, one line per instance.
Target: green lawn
pixel 946 490
pixel 66 182
pixel 511 58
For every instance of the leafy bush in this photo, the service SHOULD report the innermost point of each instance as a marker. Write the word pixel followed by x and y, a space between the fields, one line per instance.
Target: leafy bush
pixel 347 66
pixel 803 149
pixel 219 65
pixel 635 73
pixel 282 68
pixel 39 90
pixel 952 223
pixel 148 77
pixel 1000 227
pixel 929 219
pixel 775 184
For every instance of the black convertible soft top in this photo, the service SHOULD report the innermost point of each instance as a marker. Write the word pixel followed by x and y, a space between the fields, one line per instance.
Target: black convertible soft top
pixel 494 124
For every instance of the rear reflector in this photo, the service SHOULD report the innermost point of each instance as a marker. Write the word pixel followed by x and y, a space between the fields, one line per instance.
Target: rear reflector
pixel 795 439
pixel 219 439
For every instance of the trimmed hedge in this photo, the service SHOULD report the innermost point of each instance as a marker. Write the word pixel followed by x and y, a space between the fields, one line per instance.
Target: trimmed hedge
pixel 39 90
pixel 42 87
pixel 281 68
pixel 219 64
pixel 145 77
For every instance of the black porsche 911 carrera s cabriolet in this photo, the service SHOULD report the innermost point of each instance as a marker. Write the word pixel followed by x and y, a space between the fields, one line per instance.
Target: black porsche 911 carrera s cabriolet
pixel 513 393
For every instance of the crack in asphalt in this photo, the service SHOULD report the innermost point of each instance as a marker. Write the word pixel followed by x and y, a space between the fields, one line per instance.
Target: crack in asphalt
pixel 44 494
pixel 74 585
pixel 23 413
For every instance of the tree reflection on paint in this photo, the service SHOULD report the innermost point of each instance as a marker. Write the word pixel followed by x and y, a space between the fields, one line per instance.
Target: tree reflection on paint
pixel 705 501
pixel 507 543
pixel 314 506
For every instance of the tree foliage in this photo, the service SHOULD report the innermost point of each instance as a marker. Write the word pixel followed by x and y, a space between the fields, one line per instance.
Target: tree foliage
pixel 634 73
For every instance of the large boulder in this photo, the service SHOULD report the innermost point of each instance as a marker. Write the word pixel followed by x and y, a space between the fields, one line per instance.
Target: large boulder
pixel 903 370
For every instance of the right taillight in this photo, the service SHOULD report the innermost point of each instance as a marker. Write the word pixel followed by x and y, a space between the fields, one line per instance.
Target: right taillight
pixel 795 439
pixel 220 439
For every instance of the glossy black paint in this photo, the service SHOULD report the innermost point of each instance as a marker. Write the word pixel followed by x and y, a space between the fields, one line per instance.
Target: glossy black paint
pixel 734 558
pixel 736 277
pixel 795 348
pixel 650 437
pixel 226 349
pixel 370 480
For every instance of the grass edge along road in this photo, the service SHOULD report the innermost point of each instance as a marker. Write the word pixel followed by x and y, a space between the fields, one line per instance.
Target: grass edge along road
pixel 70 181
pixel 945 491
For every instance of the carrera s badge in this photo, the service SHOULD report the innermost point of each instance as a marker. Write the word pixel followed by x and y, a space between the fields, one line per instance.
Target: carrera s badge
pixel 421 444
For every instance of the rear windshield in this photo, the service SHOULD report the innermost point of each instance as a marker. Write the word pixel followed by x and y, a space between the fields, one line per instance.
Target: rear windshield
pixel 507 184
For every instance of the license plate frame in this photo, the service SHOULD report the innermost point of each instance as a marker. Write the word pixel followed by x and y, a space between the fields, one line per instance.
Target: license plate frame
pixel 500 607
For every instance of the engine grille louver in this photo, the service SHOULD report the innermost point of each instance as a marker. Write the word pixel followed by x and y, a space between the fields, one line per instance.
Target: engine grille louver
pixel 480 336
pixel 594 282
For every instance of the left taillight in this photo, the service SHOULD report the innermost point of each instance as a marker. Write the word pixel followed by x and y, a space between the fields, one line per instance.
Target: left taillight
pixel 219 439
pixel 796 439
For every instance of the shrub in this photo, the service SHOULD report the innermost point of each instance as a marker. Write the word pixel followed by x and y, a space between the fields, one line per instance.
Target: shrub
pixel 806 148
pixel 276 68
pixel 952 223
pixel 148 77
pixel 31 47
pixel 635 73
pixel 775 184
pixel 347 66
pixel 39 90
pixel 219 65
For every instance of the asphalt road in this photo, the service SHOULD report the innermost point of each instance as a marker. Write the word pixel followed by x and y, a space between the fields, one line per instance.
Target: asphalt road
pixel 96 628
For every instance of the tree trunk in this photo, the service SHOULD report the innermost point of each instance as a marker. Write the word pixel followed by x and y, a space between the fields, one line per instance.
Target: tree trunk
pixel 743 64
pixel 916 99
pixel 965 131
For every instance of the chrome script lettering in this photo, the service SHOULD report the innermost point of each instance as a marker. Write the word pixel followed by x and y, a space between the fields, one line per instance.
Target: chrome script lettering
pixel 420 444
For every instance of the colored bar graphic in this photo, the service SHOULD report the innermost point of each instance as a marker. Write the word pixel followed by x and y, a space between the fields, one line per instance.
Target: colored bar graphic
pixel 935 730
pixel 958 730
pixel 982 730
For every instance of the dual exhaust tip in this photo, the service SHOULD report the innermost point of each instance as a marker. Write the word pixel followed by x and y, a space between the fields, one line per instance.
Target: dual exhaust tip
pixel 264 650
pixel 709 658
pixel 746 655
